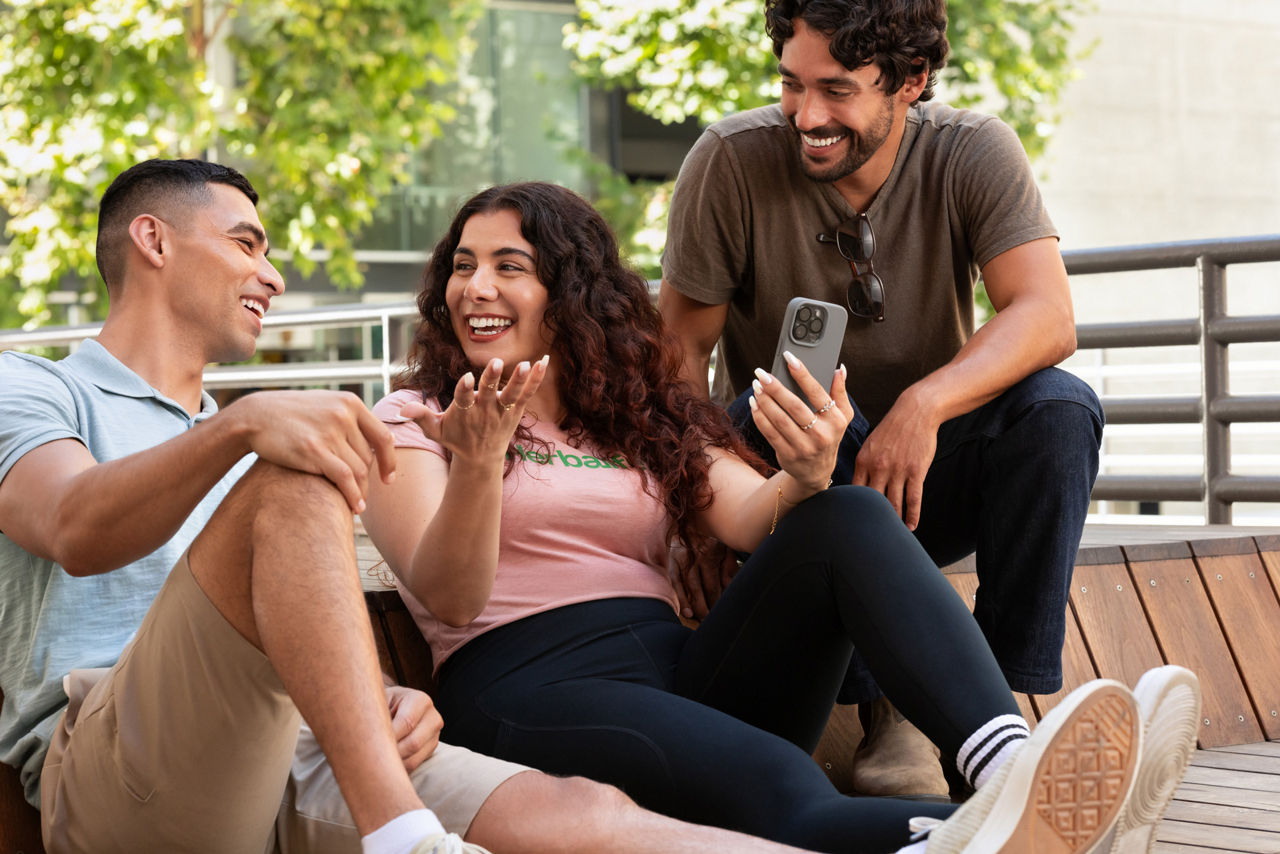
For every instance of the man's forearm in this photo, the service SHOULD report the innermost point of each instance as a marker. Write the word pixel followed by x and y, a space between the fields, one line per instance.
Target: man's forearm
pixel 697 372
pixel 697 326
pixel 113 513
pixel 1025 337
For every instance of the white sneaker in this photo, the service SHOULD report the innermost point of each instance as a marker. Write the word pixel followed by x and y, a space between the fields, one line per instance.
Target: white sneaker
pixel 1063 790
pixel 1169 701
pixel 447 843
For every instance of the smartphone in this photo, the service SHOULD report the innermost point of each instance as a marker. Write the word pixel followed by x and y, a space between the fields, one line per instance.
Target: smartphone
pixel 813 331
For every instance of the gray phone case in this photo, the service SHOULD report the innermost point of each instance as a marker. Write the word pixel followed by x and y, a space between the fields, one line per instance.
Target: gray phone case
pixel 813 331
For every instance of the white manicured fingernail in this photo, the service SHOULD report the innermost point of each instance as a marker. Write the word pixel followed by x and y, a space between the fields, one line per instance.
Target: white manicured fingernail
pixel 751 401
pixel 497 366
pixel 843 370
pixel 545 359
pixel 763 375
pixel 469 380
pixel 791 360
pixel 759 389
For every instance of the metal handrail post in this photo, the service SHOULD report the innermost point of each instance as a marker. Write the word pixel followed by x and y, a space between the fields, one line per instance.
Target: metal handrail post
pixel 1214 386
pixel 385 320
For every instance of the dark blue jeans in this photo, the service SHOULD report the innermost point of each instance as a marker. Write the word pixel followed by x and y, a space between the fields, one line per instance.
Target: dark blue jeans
pixel 1010 484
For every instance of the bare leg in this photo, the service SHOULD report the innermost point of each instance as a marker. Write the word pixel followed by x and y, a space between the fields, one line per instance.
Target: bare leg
pixel 540 814
pixel 278 562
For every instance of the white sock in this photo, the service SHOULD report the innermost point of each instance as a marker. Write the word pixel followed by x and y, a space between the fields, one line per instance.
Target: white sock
pixel 990 747
pixel 914 847
pixel 399 835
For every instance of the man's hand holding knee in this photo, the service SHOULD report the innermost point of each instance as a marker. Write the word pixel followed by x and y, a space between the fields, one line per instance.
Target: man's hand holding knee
pixel 326 433
pixel 416 724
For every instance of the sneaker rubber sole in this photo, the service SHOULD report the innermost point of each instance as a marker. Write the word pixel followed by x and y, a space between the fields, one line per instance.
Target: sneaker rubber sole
pixel 1169 702
pixel 1064 789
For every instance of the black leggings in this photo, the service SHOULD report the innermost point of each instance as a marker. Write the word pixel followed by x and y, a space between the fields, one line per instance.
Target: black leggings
pixel 715 725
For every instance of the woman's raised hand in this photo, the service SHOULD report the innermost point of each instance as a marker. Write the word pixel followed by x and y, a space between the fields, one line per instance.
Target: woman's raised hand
pixel 805 436
pixel 483 417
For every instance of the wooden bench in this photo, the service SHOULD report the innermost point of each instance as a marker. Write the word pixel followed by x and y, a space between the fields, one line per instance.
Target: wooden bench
pixel 19 821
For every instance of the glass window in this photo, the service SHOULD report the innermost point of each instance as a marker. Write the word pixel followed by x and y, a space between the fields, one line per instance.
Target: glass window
pixel 521 112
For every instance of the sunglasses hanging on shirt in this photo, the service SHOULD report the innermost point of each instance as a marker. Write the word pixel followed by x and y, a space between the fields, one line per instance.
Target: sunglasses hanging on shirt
pixel 857 243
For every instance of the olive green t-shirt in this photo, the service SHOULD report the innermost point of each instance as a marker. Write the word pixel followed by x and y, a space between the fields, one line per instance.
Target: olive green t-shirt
pixel 743 230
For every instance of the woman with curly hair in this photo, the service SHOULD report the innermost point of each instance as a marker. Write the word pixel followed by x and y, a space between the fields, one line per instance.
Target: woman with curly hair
pixel 550 458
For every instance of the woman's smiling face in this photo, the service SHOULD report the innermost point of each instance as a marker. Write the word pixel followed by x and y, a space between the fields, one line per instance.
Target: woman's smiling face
pixel 496 300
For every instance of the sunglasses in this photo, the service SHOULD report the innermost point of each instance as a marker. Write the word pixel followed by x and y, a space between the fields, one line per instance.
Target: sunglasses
pixel 857 243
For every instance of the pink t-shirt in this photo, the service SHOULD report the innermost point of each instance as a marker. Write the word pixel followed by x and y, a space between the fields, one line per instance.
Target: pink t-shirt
pixel 575 528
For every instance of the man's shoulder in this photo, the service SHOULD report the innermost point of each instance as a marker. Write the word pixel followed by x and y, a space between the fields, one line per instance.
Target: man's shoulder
pixel 16 362
pixel 938 114
pixel 25 373
pixel 937 122
pixel 749 122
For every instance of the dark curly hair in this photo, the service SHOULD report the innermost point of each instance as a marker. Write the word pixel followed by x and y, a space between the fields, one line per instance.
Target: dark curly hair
pixel 619 374
pixel 899 36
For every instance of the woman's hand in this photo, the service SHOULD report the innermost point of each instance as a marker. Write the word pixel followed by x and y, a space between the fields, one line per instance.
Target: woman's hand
pixel 479 423
pixel 805 436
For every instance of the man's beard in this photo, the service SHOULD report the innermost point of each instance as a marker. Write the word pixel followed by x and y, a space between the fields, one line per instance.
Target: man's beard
pixel 860 149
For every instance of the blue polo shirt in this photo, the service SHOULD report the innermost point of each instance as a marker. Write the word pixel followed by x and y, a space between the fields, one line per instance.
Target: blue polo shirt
pixel 51 622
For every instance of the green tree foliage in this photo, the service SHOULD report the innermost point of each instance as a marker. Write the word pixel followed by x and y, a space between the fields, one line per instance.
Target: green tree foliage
pixel 709 58
pixel 321 111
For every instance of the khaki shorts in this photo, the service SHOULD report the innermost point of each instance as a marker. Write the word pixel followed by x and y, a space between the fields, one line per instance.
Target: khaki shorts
pixel 190 743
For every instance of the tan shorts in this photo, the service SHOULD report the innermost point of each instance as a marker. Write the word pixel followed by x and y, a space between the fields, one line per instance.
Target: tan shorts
pixel 188 744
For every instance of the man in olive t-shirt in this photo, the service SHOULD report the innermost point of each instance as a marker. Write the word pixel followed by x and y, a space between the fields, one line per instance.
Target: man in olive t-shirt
pixel 857 190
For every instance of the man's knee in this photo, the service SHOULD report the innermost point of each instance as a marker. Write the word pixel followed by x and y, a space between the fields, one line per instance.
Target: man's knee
pixel 1056 411
pixel 1061 391
pixel 271 494
pixel 271 508
pixel 569 814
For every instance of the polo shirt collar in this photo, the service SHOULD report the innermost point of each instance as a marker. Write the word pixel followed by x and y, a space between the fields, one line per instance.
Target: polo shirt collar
pixel 96 364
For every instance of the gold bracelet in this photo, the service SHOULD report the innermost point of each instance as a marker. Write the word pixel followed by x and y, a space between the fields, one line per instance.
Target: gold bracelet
pixel 777 505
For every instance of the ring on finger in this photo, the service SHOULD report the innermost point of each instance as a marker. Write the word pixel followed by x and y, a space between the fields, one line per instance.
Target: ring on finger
pixel 492 386
pixel 831 404
pixel 507 407
pixel 464 408
pixel 812 421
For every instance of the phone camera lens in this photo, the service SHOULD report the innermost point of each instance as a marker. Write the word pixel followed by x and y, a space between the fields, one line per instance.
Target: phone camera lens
pixel 804 314
pixel 800 332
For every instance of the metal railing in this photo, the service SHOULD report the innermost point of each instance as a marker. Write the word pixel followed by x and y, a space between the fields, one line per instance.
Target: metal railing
pixel 1212 332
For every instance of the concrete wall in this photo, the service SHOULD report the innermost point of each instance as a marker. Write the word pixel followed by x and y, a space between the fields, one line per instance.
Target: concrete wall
pixel 1172 132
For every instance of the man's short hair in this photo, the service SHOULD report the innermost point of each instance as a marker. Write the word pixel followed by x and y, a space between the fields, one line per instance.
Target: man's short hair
pixel 903 37
pixel 160 187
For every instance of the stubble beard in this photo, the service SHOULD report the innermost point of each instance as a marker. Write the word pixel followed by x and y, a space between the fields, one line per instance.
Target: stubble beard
pixel 860 148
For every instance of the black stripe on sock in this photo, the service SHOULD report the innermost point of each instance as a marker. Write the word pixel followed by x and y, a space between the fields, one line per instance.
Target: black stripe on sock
pixel 978 748
pixel 991 754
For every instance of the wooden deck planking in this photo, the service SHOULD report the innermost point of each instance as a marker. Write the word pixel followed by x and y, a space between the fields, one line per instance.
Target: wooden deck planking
pixel 1230 801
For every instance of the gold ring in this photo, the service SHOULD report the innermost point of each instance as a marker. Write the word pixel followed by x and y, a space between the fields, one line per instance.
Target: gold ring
pixel 492 386
pixel 507 407
pixel 812 421
pixel 464 408
pixel 830 405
